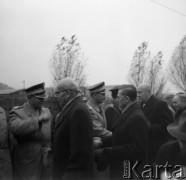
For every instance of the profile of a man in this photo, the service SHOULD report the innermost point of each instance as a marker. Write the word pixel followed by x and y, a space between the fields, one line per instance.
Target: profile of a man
pixel 73 134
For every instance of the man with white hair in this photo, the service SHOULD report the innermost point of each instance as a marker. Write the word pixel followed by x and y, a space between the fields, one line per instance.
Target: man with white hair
pixel 158 115
pixel 73 134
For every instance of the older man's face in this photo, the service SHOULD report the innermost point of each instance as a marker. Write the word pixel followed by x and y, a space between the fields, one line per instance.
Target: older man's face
pixel 178 104
pixel 61 95
pixel 142 95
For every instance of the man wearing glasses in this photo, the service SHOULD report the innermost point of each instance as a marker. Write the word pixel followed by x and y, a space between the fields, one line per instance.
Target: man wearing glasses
pixel 73 134
pixel 31 127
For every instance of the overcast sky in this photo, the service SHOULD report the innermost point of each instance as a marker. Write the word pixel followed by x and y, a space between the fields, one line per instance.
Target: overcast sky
pixel 109 31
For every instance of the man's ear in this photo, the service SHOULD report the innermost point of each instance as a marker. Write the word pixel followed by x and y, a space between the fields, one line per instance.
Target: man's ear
pixel 128 99
pixel 68 94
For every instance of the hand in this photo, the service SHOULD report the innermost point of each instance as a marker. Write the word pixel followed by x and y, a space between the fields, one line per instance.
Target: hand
pixel 97 142
pixel 46 156
pixel 43 116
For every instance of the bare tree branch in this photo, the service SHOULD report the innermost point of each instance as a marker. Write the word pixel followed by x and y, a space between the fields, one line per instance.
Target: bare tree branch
pixel 145 69
pixel 68 61
pixel 177 66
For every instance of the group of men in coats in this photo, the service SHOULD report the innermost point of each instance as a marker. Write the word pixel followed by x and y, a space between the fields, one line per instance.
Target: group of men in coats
pixel 81 140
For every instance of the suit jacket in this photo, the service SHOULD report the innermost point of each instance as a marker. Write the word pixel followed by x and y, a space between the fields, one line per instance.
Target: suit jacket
pixel 73 142
pixel 130 139
pixel 112 113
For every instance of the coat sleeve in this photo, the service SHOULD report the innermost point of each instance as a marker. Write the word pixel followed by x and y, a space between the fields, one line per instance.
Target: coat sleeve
pixel 20 124
pixel 46 128
pixel 138 133
pixel 81 145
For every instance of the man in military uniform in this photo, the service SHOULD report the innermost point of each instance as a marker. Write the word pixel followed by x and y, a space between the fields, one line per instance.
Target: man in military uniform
pixel 95 103
pixel 31 127
pixel 5 159
pixel 112 110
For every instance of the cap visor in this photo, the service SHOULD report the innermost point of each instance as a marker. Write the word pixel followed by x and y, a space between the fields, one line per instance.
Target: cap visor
pixel 41 96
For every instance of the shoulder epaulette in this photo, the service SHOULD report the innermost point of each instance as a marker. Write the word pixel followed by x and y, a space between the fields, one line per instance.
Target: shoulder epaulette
pixel 17 107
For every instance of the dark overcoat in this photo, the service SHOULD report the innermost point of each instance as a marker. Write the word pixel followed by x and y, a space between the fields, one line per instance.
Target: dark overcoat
pixel 73 142
pixel 112 113
pixel 130 141
pixel 170 153
pixel 159 116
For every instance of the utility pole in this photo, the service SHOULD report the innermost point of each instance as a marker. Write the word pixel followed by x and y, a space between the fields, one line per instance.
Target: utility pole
pixel 23 84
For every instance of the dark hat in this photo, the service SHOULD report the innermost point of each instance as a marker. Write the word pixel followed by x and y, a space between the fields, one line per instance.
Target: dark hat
pixel 115 88
pixel 36 90
pixel 178 129
pixel 100 87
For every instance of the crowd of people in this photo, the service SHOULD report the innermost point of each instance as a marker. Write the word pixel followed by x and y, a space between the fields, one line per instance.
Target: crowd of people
pixel 88 140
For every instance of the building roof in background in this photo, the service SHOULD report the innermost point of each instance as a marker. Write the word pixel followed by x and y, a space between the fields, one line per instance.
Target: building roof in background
pixel 9 91
pixel 6 91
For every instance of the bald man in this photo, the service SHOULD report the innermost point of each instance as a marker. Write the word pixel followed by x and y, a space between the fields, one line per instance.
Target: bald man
pixel 158 115
pixel 73 134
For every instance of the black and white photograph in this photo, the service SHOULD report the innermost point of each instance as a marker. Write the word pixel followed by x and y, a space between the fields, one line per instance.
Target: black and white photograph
pixel 92 89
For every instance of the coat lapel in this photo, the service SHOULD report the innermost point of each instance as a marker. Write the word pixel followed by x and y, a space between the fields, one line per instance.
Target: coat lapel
pixel 61 116
pixel 125 114
pixel 118 109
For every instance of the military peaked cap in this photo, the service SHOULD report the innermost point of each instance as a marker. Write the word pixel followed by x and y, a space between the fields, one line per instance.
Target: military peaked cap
pixel 37 90
pixel 100 87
